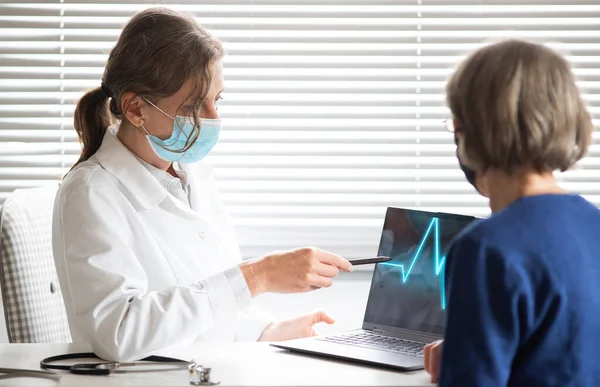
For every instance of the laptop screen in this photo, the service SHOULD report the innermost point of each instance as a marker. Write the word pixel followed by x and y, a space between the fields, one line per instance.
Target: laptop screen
pixel 408 291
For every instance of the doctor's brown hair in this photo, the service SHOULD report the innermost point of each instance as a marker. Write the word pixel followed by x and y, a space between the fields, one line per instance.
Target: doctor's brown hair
pixel 157 52
pixel 517 106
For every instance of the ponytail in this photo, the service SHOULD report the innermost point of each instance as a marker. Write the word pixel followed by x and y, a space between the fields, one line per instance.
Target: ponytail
pixel 91 120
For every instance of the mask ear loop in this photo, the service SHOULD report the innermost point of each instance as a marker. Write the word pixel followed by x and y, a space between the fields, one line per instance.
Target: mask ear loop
pixel 143 127
pixel 159 109
pixel 149 136
pixel 152 137
pixel 163 112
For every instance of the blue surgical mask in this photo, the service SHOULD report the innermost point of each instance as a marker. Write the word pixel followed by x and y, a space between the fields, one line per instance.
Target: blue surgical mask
pixel 169 149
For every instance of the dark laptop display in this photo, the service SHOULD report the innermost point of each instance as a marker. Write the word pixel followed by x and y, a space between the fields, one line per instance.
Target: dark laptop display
pixel 408 292
pixel 407 301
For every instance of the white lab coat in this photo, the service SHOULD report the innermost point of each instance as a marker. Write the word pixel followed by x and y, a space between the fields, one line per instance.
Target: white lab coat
pixel 140 271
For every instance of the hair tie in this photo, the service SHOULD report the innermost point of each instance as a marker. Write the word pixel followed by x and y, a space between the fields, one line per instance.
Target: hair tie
pixel 106 90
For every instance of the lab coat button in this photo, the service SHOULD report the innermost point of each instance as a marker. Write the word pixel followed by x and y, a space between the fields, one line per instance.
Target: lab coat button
pixel 202 234
pixel 53 287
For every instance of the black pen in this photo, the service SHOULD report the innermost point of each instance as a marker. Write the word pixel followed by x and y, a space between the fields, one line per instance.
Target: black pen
pixel 366 261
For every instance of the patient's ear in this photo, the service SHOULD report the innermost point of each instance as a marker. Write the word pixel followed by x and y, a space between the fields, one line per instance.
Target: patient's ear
pixel 456 126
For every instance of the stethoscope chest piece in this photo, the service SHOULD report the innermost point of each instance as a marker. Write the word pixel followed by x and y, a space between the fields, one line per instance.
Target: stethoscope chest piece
pixel 200 376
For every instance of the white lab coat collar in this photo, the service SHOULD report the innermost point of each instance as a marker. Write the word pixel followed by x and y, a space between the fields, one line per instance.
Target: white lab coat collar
pixel 115 158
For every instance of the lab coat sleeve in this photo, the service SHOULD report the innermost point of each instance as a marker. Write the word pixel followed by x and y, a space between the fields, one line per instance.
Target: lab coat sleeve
pixel 252 323
pixel 108 288
pixel 253 320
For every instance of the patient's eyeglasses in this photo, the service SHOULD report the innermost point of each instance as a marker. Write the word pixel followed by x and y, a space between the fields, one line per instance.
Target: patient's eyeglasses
pixel 449 125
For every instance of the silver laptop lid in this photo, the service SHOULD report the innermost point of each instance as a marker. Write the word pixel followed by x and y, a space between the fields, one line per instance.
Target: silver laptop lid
pixel 408 293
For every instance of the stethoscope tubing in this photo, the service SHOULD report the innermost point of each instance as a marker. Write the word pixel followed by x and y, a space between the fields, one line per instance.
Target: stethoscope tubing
pixel 24 373
pixel 101 369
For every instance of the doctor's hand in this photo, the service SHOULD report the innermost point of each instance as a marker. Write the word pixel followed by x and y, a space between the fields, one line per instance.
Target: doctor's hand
pixel 431 358
pixel 294 271
pixel 295 328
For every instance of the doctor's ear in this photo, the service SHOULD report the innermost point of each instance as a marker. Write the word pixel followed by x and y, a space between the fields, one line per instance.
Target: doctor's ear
pixel 131 105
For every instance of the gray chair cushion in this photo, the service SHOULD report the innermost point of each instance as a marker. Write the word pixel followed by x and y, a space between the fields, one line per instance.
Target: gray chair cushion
pixel 33 305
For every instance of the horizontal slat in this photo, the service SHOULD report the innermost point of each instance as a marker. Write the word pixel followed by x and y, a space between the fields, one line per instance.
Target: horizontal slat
pixel 106 38
pixel 281 162
pixel 236 82
pixel 89 74
pixel 226 150
pixel 580 180
pixel 309 59
pixel 291 185
pixel 370 175
pixel 438 73
pixel 240 102
pixel 437 36
pixel 41 10
pixel 312 202
pixel 340 2
pixel 363 135
pixel 398 114
pixel 242 93
pixel 371 9
pixel 429 108
pixel 400 23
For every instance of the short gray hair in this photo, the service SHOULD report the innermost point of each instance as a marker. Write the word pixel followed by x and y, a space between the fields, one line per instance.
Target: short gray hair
pixel 517 106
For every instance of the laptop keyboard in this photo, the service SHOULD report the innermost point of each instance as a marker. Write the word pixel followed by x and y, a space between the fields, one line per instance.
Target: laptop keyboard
pixel 385 343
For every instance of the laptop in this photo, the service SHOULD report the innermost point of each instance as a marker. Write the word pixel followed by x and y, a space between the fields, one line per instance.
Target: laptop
pixel 406 304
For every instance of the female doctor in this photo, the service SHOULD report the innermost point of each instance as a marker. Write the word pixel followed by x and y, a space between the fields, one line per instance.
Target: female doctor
pixel 146 257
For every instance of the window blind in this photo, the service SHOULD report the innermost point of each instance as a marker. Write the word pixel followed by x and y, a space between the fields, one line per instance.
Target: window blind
pixel 333 109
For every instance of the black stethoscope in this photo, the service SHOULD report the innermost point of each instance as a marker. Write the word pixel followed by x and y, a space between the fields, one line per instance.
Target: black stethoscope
pixel 9 373
pixel 158 363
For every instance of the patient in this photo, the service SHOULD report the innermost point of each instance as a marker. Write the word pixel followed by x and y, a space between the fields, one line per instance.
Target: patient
pixel 523 295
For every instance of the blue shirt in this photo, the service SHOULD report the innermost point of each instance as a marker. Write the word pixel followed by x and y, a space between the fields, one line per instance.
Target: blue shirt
pixel 523 297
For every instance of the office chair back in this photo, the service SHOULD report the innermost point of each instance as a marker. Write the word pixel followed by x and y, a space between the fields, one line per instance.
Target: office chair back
pixel 33 305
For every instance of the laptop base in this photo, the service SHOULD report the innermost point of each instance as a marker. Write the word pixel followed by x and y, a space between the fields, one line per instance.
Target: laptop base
pixel 319 348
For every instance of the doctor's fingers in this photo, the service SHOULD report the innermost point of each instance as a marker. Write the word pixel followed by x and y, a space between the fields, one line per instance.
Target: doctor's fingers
pixel 314 280
pixel 334 260
pixel 326 270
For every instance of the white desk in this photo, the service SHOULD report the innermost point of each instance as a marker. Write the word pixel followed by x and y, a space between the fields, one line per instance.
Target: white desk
pixel 235 364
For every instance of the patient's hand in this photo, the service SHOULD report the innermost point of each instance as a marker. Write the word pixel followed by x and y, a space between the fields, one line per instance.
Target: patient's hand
pixel 433 354
pixel 295 328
